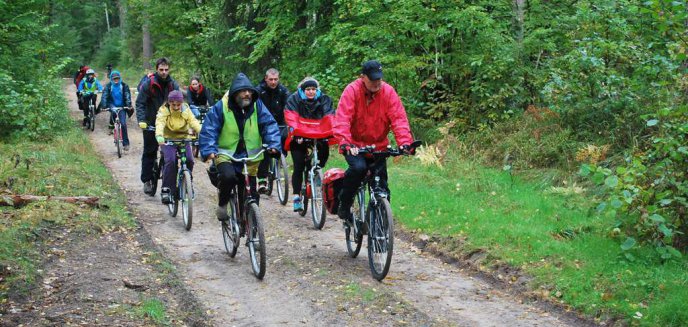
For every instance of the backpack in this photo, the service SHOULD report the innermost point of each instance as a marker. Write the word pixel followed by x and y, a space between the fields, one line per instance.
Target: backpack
pixel 332 185
pixel 149 79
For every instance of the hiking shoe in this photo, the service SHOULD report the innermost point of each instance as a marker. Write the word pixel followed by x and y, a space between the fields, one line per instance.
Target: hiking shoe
pixel 221 213
pixel 148 188
pixel 166 195
pixel 298 205
pixel 262 185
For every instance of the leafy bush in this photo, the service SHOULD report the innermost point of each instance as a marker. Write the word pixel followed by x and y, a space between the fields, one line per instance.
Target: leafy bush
pixel 534 139
pixel 110 49
pixel 649 193
pixel 31 110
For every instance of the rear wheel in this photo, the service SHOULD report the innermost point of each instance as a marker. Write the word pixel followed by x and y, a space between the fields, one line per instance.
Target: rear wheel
pixel 380 238
pixel 318 212
pixel 282 180
pixel 230 230
pixel 354 233
pixel 186 197
pixel 256 241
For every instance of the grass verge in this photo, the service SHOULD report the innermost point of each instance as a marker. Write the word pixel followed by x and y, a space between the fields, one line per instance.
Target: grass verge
pixel 65 166
pixel 572 254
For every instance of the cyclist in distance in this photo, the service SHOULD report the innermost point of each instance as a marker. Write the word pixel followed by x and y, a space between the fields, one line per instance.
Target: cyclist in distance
pixel 109 69
pixel 153 90
pixel 274 96
pixel 87 88
pixel 117 94
pixel 198 95
pixel 237 125
pixel 174 120
pixel 78 76
pixel 368 109
pixel 309 103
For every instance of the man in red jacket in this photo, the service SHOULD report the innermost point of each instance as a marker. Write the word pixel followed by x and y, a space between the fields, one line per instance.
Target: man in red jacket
pixel 368 109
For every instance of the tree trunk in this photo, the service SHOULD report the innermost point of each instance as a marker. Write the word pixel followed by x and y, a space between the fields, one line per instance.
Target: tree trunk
pixel 147 51
pixel 518 20
pixel 16 200
pixel 122 6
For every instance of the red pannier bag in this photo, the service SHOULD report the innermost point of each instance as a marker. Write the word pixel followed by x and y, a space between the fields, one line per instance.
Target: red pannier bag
pixel 332 184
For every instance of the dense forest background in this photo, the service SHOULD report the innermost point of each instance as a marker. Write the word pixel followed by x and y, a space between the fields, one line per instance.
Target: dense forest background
pixel 597 87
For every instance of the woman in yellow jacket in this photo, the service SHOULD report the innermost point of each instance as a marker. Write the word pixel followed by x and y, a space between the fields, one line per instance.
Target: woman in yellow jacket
pixel 174 121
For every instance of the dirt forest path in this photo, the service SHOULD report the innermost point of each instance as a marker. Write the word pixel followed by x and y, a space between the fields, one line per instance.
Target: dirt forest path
pixel 310 280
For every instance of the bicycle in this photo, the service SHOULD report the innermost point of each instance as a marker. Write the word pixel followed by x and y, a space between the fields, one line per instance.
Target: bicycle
pixel 184 190
pixel 201 117
pixel 312 190
pixel 117 131
pixel 91 113
pixel 377 221
pixel 245 218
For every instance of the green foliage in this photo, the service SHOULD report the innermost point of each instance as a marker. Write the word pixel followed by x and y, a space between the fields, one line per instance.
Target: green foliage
pixel 109 50
pixel 649 193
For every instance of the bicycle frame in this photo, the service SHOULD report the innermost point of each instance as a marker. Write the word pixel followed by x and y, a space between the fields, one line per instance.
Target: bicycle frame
pixel 180 144
pixel 247 197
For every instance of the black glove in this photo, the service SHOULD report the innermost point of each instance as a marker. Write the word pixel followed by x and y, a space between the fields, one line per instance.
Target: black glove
pixel 406 149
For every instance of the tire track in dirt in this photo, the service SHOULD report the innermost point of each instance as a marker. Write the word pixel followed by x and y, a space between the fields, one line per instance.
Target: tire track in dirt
pixel 310 279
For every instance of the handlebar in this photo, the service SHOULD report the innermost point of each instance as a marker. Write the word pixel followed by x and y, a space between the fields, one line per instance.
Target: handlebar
pixel 177 141
pixel 244 160
pixel 389 152
pixel 118 109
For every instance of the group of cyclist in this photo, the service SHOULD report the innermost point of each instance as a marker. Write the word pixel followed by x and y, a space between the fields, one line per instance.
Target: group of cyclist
pixel 247 118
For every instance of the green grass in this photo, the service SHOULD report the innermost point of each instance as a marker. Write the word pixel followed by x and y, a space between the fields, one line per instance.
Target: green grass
pixel 552 237
pixel 153 309
pixel 65 166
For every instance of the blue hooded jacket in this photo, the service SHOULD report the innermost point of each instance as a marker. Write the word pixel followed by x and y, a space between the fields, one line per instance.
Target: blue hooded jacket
pixel 215 120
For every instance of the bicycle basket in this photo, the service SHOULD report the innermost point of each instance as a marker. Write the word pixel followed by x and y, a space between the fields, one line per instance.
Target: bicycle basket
pixel 332 185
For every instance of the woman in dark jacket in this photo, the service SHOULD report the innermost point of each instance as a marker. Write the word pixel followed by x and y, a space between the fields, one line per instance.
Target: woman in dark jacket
pixel 198 95
pixel 308 114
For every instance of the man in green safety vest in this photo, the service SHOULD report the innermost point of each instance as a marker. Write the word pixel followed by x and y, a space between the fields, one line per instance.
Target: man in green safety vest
pixel 237 125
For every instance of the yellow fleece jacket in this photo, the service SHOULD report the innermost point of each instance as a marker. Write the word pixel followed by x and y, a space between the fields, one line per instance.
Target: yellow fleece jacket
pixel 172 124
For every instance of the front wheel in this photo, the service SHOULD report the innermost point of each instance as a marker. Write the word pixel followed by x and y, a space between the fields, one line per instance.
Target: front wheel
pixel 256 241
pixel 380 238
pixel 117 134
pixel 318 211
pixel 186 197
pixel 230 230
pixel 92 118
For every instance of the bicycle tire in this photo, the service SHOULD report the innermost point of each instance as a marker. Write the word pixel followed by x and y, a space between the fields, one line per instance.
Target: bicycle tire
pixel 282 177
pixel 380 238
pixel 354 234
pixel 230 230
pixel 118 140
pixel 186 197
pixel 173 207
pixel 92 118
pixel 256 241
pixel 318 211
pixel 304 201
pixel 272 172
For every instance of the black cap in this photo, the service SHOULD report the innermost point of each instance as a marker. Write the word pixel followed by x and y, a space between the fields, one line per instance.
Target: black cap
pixel 372 69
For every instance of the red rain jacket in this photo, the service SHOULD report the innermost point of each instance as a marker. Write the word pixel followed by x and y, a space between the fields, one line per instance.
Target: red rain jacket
pixel 361 124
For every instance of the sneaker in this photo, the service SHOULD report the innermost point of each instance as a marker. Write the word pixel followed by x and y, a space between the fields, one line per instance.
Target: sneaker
pixel 344 211
pixel 148 188
pixel 298 205
pixel 262 185
pixel 126 148
pixel 221 213
pixel 166 195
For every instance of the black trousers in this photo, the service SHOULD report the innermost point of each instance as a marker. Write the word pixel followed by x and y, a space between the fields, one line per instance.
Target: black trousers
pixel 298 156
pixel 264 165
pixel 149 155
pixel 85 101
pixel 228 179
pixel 358 167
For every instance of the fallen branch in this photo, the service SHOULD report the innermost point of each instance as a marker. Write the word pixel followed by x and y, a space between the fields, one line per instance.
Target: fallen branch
pixel 16 200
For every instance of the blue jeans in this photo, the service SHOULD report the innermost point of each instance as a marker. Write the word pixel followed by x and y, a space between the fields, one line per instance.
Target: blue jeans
pixel 123 122
pixel 195 111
